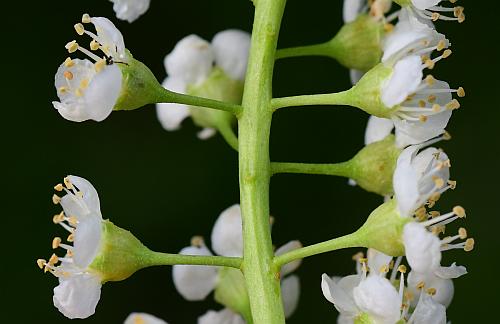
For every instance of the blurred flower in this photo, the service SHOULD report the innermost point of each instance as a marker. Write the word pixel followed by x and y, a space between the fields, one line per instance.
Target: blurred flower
pixel 130 10
pixel 430 10
pixel 89 89
pixel 143 318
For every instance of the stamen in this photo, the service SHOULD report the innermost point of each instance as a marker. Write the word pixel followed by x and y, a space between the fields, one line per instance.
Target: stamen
pixel 71 237
pixel 72 46
pixel 58 187
pixel 452 105
pixel 56 242
pixel 197 241
pixel 99 65
pixel 68 75
pixel 86 19
pixel 461 92
pixel 68 62
pixel 58 218
pixel 469 245
pixel 459 211
pixel 94 45
pixel 68 183
pixel 80 30
pixel 56 199
pixel 431 291
pixel 41 263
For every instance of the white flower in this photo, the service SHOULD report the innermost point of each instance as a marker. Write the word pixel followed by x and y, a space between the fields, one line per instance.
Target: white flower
pixel 224 316
pixel 130 10
pixel 197 282
pixel 420 177
pixel 143 318
pixel 79 289
pixel 428 311
pixel 430 10
pixel 190 64
pixel 89 89
pixel 377 129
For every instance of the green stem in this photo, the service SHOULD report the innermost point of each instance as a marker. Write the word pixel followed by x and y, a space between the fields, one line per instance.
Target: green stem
pixel 343 169
pixel 167 96
pixel 347 241
pixel 158 258
pixel 261 277
pixel 323 49
pixel 227 132
pixel 339 98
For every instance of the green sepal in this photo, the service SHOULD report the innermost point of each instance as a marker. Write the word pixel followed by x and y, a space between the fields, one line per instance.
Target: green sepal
pixel 231 292
pixel 373 167
pixel 383 230
pixel 363 318
pixel 139 85
pixel 403 3
pixel 120 254
pixel 217 86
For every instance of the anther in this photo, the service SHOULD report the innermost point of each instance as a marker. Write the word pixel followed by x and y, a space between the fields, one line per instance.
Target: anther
pixel 420 285
pixel 86 18
pixel 99 65
pixel 469 245
pixel 41 263
pixel 435 16
pixel 402 268
pixel 459 211
pixel 436 108
pixel 53 260
pixel 58 218
pixel 68 62
pixel 73 220
pixel 441 45
pixel 94 45
pixel 452 105
pixel 462 232
pixel 431 291
pixel 358 256
pixel 384 269
pixel 84 83
pixel 461 18
pixel 71 237
pixel 447 53
pixel 439 182
pixel 461 92
pixel 72 46
pixel 68 75
pixel 197 241
pixel 458 11
pixel 430 80
pixel 59 187
pixel 80 30
pixel 431 98
pixel 452 184
pixel 423 118
pixel 68 183
pixel 56 199
pixel 430 63
pixel 56 242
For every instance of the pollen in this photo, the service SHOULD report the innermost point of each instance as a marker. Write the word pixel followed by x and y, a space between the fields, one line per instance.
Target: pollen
pixel 86 18
pixel 94 45
pixel 72 46
pixel 56 242
pixel 68 183
pixel 459 211
pixel 53 260
pixel 447 53
pixel 68 75
pixel 435 16
pixel 41 263
pixel 402 268
pixel 461 92
pixel 71 237
pixel 59 187
pixel 462 232
pixel 58 218
pixel 458 11
pixel 461 18
pixel 452 105
pixel 469 245
pixel 56 199
pixel 68 62
pixel 441 45
pixel 430 64
pixel 452 184
pixel 80 30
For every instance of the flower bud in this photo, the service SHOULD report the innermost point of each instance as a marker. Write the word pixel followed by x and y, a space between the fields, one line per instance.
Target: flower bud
pixel 373 167
pixel 231 291
pixel 383 230
pixel 358 43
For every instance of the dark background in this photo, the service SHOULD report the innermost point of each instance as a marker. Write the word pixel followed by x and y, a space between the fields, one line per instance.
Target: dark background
pixel 166 187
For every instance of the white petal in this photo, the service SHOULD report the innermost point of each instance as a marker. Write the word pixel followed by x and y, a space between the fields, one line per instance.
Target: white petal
pixel 377 129
pixel 451 272
pixel 194 282
pixel 377 296
pixel 88 192
pixel 87 241
pixel 171 115
pixel 77 296
pixel 428 311
pixel 405 182
pixel 292 266
pixel 422 248
pixel 345 319
pixel 405 79
pixel 444 287
pixel 224 316
pixel 336 295
pixel 355 75
pixel 231 48
pixel 109 37
pixel 377 260
pixel 143 318
pixel 97 100
pixel 191 60
pixel 130 10
pixel 227 236
pixel 206 133
pixel 424 4
pixel 290 292
pixel 352 8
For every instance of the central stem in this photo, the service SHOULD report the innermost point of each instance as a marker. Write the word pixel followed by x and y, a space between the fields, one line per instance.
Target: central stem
pixel 261 276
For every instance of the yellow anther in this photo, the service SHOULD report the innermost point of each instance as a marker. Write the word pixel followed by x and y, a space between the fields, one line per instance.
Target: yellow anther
pixel 438 229
pixel 447 53
pixel 358 256
pixel 408 296
pixel 439 182
pixel 459 211
pixel 80 30
pixel 463 233
pixel 421 213
pixel 452 105
pixel 197 241
pixel 447 163
pixel 461 92
pixel 436 108
pixel 56 199
pixel 68 75
pixel 402 268
pixel 69 253
pixel 71 237
pixel 53 260
pixel 99 65
pixel 453 1
pixel 62 89
pixel 73 220
pixel 469 245
pixel 434 214
pixel 430 80
pixel 431 291
pixel 452 184
pixel 391 264
pixel 58 218
pixel 84 83
pixel 422 103
pixel 68 62
pixel 420 285
pixel 138 319
pixel 78 92
pixel 59 187
pixel 431 98
pixel 441 45
pixel 458 11
pixel 56 242
pixel 72 46
pixel 435 16
pixel 430 64
pixel 461 18
pixel 446 136
pixel 86 18
pixel 384 269
pixel 423 118
pixel 94 45
pixel 68 183
pixel 363 260
pixel 425 58
pixel 41 263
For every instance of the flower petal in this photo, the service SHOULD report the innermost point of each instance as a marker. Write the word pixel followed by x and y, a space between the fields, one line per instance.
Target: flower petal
pixel 77 296
pixel 444 287
pixel 171 115
pixel 290 292
pixel 231 48
pixel 336 295
pixel 292 266
pixel 422 248
pixel 428 311
pixel 224 316
pixel 130 10
pixel 143 318
pixel 377 129
pixel 227 236
pixel 352 8
pixel 405 79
